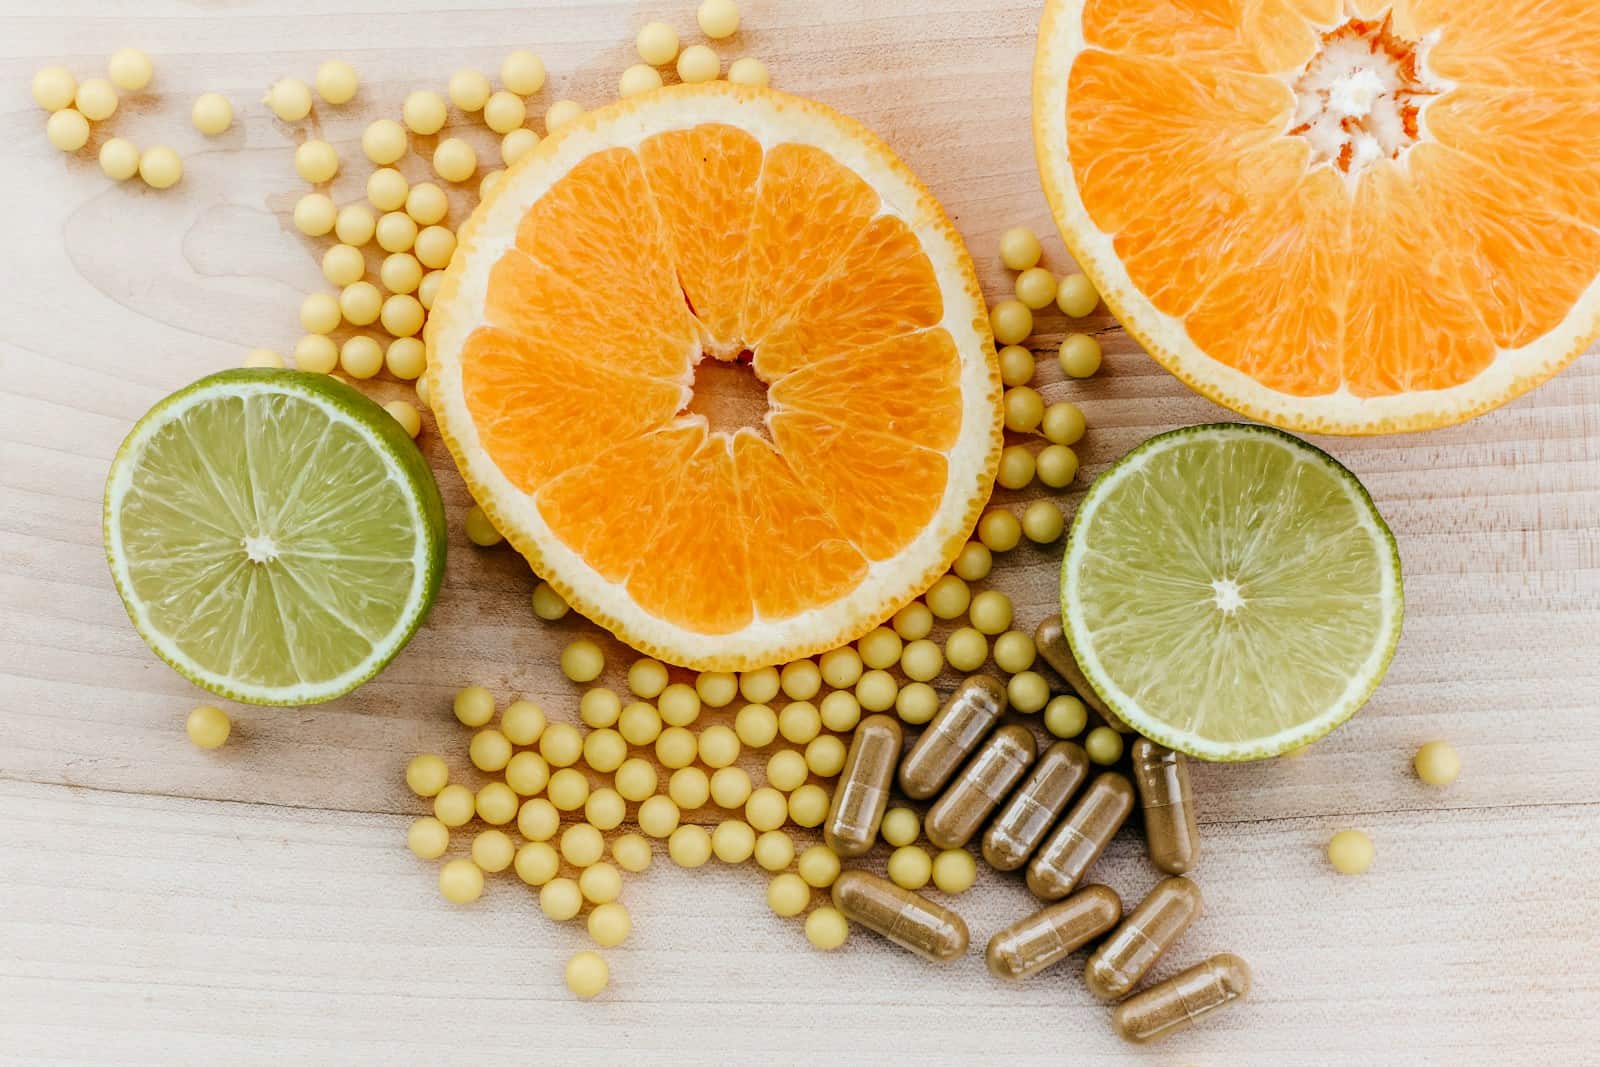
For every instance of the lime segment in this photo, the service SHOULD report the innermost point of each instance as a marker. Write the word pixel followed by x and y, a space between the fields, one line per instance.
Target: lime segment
pixel 276 537
pixel 1231 591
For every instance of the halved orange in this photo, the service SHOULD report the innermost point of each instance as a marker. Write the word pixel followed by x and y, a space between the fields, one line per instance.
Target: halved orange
pixel 719 223
pixel 1338 216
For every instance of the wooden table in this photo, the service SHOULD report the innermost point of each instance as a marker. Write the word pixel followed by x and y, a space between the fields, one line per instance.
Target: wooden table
pixel 163 904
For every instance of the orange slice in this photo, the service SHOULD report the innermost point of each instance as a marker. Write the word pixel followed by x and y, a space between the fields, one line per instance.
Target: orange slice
pixel 760 235
pixel 1337 216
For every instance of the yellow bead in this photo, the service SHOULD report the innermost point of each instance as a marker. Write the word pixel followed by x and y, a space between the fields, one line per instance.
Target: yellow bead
pixel 319 312
pixel 474 706
pixel 718 746
pixel 1350 852
pixel 1062 423
pixel 342 265
pixel 917 703
pixel 825 756
pixel 527 773
pixel 1036 287
pixel 489 750
pixel 455 805
pixel 1028 692
pixel 910 867
pixel 496 803
pixel 67 130
pixel 387 189
pixel 422 388
pixel 877 690
pixel 697 64
pixel 54 88
pixel 749 71
pixel 599 707
pixel 1019 248
pixel 657 43
pixel 639 78
pixel 730 787
pixel 658 816
pixel 516 144
pixel 336 81
pixel 361 303
pixel 966 649
pixel 460 881
pixel 536 863
pixel 974 562
pixel 609 925
pixel 264 357
pixel 774 850
pixel 208 726
pixel 636 779
pixel 316 353
pixel 913 622
pixel 480 531
pixel 801 680
pixel 716 688
pixel 561 114
pixel 827 928
pixel 560 899
pixel 354 225
pixel 756 725
pixel 689 846
pixel 1437 763
pixel 582 660
pixel 561 744
pixel 922 661
pixel 948 597
pixel 314 214
pixel 119 159
pixel 401 273
pixel 999 530
pixel 808 805
pixel 1104 745
pixel 841 667
pixel 605 809
pixel 402 314
pixel 901 826
pixel 1043 522
pixel 504 112
pixel 818 866
pixel 632 852
pixel 954 870
pixel 469 90
pixel 522 72
pixel 426 203
pixel 679 704
pixel 1080 355
pixel 759 686
pixel 1077 296
pixel 639 723
pixel 786 770
pixel 582 845
pixel 396 231
pixel 548 604
pixel 361 357
pixel 1016 365
pixel 426 775
pixel 587 974
pixel 799 721
pixel 1011 321
pixel 130 69
pixel 600 883
pixel 717 18
pixel 490 182
pixel 289 99
pixel 766 809
pixel 384 141
pixel 211 114
pixel 1014 651
pixel 647 678
pixel 991 612
pixel 96 99
pixel 1017 467
pixel 880 648
pixel 1056 465
pixel 733 841
pixel 676 747
pixel 1024 408
pixel 788 895
pixel 1065 716
pixel 428 838
pixel 493 851
pixel 689 788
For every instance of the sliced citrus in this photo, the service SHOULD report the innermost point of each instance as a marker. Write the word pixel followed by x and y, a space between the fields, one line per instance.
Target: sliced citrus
pixel 1230 591
pixel 276 536
pixel 693 229
pixel 1340 216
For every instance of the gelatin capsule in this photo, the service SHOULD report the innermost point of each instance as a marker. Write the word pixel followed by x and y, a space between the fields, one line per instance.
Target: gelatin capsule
pixel 1052 933
pixel 980 787
pixel 1170 831
pixel 1177 1002
pixel 1051 641
pixel 963 722
pixel 1152 928
pixel 1074 845
pixel 909 919
pixel 862 794
pixel 1035 806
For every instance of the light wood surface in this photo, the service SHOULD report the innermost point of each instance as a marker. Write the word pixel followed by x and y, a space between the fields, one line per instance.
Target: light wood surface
pixel 162 904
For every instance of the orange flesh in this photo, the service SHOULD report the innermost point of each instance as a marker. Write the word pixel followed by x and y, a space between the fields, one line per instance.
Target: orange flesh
pixel 1404 270
pixel 636 265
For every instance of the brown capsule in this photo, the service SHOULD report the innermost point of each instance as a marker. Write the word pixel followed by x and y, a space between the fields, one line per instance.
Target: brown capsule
pixel 980 787
pixel 966 718
pixel 1037 803
pixel 1172 1005
pixel 1127 955
pixel 909 919
pixel 1053 933
pixel 1170 831
pixel 1051 641
pixel 1074 846
pixel 862 794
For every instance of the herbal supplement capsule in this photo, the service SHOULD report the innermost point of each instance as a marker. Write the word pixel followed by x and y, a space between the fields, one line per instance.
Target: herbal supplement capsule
pixel 1183 998
pixel 966 718
pixel 909 919
pixel 862 794
pixel 1153 927
pixel 1074 846
pixel 1051 641
pixel 1035 806
pixel 980 787
pixel 1050 934
pixel 1170 833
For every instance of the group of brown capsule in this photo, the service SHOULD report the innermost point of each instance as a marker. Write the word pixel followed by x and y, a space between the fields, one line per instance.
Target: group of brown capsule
pixel 976 768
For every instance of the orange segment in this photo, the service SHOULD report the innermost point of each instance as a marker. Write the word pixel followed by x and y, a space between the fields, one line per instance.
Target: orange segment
pixel 907 387
pixel 880 489
pixel 540 409
pixel 1264 36
pixel 1518 44
pixel 799 557
pixel 704 180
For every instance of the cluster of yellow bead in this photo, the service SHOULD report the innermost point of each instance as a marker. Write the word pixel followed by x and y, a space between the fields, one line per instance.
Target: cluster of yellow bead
pixel 658 45
pixel 73 105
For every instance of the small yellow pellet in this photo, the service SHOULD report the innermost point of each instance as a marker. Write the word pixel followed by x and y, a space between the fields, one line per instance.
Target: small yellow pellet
pixel 581 844
pixel 766 809
pixel 632 852
pixel 697 64
pixel 689 846
pixel 966 649
pixel 901 826
pixel 1043 522
pixel 480 531
pixel 1437 763
pixel 354 225
pixel 800 680
pixel 343 265
pixel 387 189
pixel 319 312
pixel 548 604
pixel 396 232
pixel 605 809
pixel 774 850
pixel 827 928
pixel 504 112
pixel 913 622
pixel 522 72
pixel 1028 692
pixel 954 870
pixel 756 725
pixel 639 723
pixel 910 867
pixel 1024 409
pixel 749 71
pixel 599 707
pixel 560 899
pixel 1062 423
pixel 489 750
pixel 689 788
pixel 1056 465
pixel 54 88
pixel 561 744
pixel 582 661
pixel 730 787
pixel 841 667
pixel 1036 287
pixel 717 18
pixel 948 597
pixel 96 99
pixel 733 841
pixel 922 660
pixel 469 90
pixel 609 925
pixel 991 612
pixel 916 703
pixel 402 314
pixel 676 747
pixel 679 704
pixel 1019 248
pixel 488 183
pixel 516 144
pixel 264 357
pixel 496 803
pixel 208 726
pixel 586 974
pixel 1065 716
pixel 639 78
pixel 799 721
pixel 562 114
pixel 211 114
pixel 314 214
pixel 454 805
pixel 130 69
pixel 473 706
pixel 759 686
pixel 1080 355
pixel 336 81
pixel 537 862
pixel 361 357
pixel 384 141
pixel 527 773
pixel 657 43
pixel 1011 321
pixel 808 805
pixel 877 690
pixel 493 851
pixel 119 160
pixel 428 838
pixel 1350 852
pixel 461 881
pixel 647 678
pixel 426 775
pixel 636 779
pixel 999 530
pixel 880 648
pixel 1104 745
pixel 316 353
pixel 1017 467
pixel 401 273
pixel 1077 296
pixel 1014 651
pixel 818 866
pixel 718 746
pixel 786 770
pixel 717 689
pixel 658 816
pixel 424 112
pixel 974 562
pixel 67 130
pixel 600 883
pixel 289 99
pixel 1016 365
pixel 825 756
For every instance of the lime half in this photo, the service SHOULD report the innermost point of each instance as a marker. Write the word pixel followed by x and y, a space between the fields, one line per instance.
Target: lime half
pixel 276 536
pixel 1231 591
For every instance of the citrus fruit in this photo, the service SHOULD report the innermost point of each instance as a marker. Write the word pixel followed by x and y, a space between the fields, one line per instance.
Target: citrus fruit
pixel 275 535
pixel 680 237
pixel 1230 591
pixel 1346 219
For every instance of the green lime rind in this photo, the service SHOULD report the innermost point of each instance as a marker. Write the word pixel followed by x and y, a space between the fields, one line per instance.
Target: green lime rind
pixel 1236 734
pixel 350 506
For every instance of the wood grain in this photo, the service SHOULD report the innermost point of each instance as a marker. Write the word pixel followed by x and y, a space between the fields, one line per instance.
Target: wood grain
pixel 160 904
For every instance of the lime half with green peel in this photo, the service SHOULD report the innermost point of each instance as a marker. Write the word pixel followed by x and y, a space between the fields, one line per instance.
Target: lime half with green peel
pixel 1231 592
pixel 275 535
